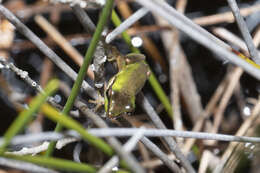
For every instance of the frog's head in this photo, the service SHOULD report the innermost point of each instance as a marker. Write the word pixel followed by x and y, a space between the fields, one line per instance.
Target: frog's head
pixel 134 57
pixel 117 104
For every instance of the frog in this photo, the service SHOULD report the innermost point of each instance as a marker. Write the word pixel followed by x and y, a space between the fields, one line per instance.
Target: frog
pixel 122 88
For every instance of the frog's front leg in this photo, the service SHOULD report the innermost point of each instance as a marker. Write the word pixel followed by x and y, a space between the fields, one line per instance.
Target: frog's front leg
pixel 114 55
pixel 120 61
pixel 99 102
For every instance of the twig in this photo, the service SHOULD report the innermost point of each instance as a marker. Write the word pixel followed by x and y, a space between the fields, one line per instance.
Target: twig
pixel 124 132
pixel 43 147
pixel 178 64
pixel 232 155
pixel 73 38
pixel 205 114
pixel 155 150
pixel 32 150
pixel 65 141
pixel 240 100
pixel 22 74
pixel 31 10
pixel 175 90
pixel 100 55
pixel 249 150
pixel 128 147
pixel 45 49
pixel 206 160
pixel 233 80
pixel 174 50
pixel 159 124
pixel 175 59
pixel 62 42
pixel 129 158
pixel 151 164
pixel 199 34
pixel 189 89
pixel 142 149
pixel 181 5
pixel 244 30
pixel 257 36
pixel 126 24
pixel 85 20
pixel 145 154
pixel 25 166
pixel 230 37
pixel 225 17
pixel 163 157
pixel 39 137
pixel 224 33
pixel 82 3
pixel 76 152
pixel 141 30
pixel 243 128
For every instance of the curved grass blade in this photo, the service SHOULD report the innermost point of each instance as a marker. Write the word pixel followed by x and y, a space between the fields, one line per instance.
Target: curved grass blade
pixel 25 116
pixel 55 163
pixel 69 123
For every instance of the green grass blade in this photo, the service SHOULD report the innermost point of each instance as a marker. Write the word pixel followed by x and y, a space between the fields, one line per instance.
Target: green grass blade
pixel 116 20
pixel 88 58
pixel 152 79
pixel 161 94
pixel 55 163
pixel 25 116
pixel 69 123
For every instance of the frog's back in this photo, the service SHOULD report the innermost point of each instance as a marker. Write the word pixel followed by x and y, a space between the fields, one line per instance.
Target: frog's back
pixel 132 78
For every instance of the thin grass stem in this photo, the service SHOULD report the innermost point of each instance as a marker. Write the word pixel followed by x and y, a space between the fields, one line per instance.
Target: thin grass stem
pixel 88 58
pixel 25 116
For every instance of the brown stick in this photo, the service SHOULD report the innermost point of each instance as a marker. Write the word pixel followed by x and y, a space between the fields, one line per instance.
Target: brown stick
pixel 62 42
pixel 148 44
pixel 218 116
pixel 225 17
pixel 206 113
pixel 246 125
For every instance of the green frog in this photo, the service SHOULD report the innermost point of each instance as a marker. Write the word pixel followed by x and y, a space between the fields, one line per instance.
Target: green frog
pixel 120 92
